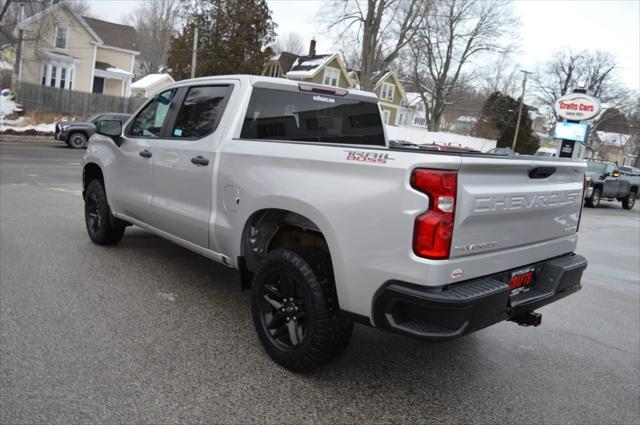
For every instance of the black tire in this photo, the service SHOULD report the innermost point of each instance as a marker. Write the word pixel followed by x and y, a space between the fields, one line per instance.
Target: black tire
pixel 96 214
pixel 594 200
pixel 629 200
pixel 295 309
pixel 77 141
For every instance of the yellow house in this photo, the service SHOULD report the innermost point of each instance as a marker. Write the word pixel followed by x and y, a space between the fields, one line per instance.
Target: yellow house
pixel 391 95
pixel 72 52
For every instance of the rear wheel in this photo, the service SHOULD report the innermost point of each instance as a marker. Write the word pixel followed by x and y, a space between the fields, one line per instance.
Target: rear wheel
pixel 629 200
pixel 97 220
pixel 594 200
pixel 77 141
pixel 295 309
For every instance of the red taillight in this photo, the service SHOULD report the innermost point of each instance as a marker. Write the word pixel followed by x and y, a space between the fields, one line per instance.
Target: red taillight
pixel 433 229
pixel 585 186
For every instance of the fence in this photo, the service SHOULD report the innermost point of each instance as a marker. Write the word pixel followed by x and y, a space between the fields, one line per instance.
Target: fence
pixel 35 97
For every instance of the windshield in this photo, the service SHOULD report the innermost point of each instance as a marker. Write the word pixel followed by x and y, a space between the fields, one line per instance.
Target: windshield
pixel 94 118
pixel 285 115
pixel 596 167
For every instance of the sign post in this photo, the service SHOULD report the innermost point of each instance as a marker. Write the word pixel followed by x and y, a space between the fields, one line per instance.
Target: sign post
pixel 574 108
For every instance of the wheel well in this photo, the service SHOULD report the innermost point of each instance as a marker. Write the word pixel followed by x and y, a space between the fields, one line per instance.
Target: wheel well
pixel 90 172
pixel 269 229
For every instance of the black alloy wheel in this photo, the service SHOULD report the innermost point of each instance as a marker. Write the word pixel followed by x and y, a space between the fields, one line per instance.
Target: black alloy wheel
pixel 284 316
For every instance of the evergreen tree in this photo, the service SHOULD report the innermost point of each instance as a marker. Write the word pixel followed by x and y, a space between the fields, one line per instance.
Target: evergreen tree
pixel 231 34
pixel 498 121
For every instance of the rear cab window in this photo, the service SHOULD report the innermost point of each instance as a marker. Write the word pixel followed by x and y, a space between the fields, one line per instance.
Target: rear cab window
pixel 312 117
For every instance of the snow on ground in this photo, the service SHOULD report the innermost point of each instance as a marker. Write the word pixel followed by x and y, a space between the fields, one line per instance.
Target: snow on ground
pixel 40 128
pixel 7 107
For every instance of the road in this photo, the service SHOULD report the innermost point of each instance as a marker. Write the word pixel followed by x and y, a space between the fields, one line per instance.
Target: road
pixel 148 332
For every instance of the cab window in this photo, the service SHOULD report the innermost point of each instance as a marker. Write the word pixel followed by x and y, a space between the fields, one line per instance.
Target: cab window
pixel 151 119
pixel 200 112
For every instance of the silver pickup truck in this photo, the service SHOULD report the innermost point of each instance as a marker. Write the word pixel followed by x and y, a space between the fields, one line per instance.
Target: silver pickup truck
pixel 296 186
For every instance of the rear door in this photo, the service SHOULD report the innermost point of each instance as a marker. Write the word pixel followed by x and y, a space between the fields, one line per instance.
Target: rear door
pixel 183 163
pixel 507 203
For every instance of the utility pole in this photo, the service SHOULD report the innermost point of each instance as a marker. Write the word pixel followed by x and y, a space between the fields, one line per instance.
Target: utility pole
pixel 515 135
pixel 194 52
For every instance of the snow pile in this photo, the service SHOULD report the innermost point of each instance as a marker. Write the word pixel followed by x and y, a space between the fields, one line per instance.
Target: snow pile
pixel 150 80
pixel 8 107
pixel 118 71
pixel 30 129
pixel 313 63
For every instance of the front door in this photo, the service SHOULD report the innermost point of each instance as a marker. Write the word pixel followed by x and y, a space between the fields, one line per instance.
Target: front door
pixel 132 180
pixel 183 163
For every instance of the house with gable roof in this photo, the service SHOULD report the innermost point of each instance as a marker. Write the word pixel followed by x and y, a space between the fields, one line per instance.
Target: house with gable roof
pixel 391 96
pixel 62 49
pixel 327 69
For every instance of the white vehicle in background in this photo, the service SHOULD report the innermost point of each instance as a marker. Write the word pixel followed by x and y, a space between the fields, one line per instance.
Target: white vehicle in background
pixel 546 152
pixel 296 186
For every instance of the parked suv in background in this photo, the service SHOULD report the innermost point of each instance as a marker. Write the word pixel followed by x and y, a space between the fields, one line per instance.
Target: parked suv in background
pixel 77 133
pixel 296 186
pixel 604 181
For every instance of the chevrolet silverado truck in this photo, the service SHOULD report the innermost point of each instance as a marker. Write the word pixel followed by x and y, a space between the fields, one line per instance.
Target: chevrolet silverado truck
pixel 604 181
pixel 76 134
pixel 295 186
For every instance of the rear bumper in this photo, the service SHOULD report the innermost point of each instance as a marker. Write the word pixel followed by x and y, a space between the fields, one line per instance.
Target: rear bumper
pixel 458 309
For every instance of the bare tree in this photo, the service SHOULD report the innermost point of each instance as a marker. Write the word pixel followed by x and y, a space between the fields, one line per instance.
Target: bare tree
pixel 155 22
pixel 503 75
pixel 291 42
pixel 382 28
pixel 456 32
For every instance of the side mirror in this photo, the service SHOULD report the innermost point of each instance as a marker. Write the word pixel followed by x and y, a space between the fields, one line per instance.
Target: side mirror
pixel 112 129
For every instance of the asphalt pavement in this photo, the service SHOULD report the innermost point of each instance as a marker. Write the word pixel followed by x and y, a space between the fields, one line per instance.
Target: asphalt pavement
pixel 148 332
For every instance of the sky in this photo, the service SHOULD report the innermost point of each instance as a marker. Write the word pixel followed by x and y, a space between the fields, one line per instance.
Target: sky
pixel 546 25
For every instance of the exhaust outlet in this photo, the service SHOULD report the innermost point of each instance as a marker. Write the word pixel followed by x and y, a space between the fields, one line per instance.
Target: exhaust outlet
pixel 528 319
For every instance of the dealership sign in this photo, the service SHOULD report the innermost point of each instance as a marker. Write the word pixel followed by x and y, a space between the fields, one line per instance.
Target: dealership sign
pixel 577 107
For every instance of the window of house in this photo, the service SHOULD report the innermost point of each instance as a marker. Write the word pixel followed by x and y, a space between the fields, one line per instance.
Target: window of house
pixel 150 120
pixel 385 116
pixel 52 81
pixel 201 111
pixel 331 77
pixel 61 37
pixel 57 75
pixel 387 91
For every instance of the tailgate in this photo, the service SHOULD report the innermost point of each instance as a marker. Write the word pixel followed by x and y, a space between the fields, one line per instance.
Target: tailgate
pixel 505 203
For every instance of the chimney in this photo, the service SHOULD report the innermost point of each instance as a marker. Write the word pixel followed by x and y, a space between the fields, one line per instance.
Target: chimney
pixel 312 47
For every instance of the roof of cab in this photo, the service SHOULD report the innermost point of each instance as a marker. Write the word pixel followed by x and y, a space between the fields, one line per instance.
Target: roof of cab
pixel 284 82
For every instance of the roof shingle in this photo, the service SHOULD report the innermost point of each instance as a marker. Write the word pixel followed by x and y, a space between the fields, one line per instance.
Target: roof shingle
pixel 115 35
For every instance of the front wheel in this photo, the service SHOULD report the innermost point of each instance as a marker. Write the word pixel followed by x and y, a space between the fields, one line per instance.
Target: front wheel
pixel 594 200
pixel 629 200
pixel 78 141
pixel 295 309
pixel 96 214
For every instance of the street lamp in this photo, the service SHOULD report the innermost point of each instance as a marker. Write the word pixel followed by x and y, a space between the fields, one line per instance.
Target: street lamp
pixel 524 84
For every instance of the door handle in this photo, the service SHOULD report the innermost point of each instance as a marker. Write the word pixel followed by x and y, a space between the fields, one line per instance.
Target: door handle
pixel 200 160
pixel 145 153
